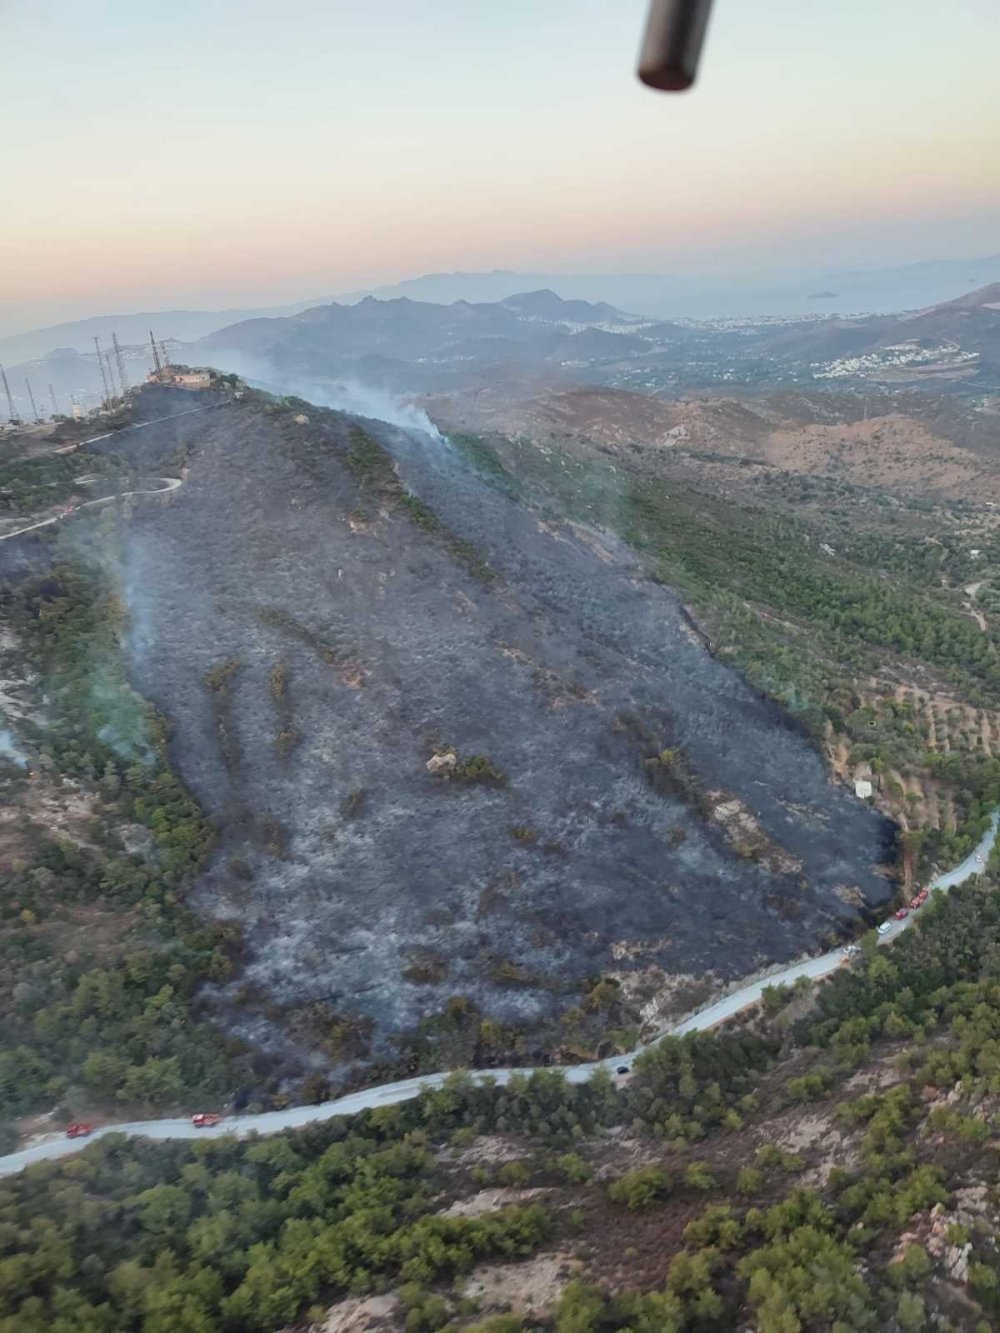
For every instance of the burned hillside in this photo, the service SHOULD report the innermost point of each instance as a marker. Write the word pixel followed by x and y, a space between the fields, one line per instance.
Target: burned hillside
pixel 463 759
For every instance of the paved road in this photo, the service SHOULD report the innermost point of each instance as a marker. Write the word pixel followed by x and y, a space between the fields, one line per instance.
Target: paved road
pixel 169 484
pixel 136 425
pixel 390 1094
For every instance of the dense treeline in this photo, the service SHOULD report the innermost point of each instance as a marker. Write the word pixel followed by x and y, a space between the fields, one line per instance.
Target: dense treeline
pixel 100 961
pixel 234 1236
pixel 226 1235
pixel 30 484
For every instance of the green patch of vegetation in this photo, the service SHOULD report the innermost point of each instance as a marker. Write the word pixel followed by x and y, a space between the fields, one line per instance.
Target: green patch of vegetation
pixel 277 681
pixel 524 834
pixel 353 803
pixel 478 770
pixel 101 963
pixel 283 621
pixel 487 463
pixel 220 676
pixel 28 485
pixel 373 469
pixel 244 1236
pixel 640 1188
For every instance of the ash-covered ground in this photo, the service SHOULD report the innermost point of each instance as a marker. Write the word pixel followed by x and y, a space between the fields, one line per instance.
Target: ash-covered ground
pixel 314 643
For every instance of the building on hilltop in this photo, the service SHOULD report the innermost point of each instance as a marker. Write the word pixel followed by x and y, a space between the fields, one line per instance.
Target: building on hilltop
pixel 180 377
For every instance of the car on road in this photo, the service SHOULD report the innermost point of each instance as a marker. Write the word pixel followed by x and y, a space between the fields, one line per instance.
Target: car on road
pixel 885 927
pixel 902 913
pixel 79 1130
pixel 204 1119
pixel 622 1069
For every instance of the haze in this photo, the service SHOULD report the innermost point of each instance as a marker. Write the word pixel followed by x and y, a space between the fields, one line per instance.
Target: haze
pixel 226 153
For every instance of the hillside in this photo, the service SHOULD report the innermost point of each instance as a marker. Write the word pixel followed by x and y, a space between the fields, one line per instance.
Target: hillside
pixel 462 762
pixel 131 328
pixel 910 443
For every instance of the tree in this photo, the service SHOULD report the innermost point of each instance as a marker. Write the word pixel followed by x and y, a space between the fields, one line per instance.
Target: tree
pixel 640 1188
pixel 911 1312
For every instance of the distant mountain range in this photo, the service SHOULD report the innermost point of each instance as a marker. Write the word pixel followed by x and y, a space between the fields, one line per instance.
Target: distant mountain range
pixel 410 347
pixel 184 325
pixel 655 295
pixel 701 296
pixel 407 345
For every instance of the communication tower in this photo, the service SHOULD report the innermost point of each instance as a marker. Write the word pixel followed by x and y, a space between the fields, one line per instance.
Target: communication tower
pixel 15 420
pixel 121 365
pixel 104 373
pixel 31 400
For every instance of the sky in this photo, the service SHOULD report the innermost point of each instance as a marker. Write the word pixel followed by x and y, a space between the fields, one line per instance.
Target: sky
pixel 222 153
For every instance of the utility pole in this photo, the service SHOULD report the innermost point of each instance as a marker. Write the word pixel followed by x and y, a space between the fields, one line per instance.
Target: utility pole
pixel 156 355
pixel 31 400
pixel 15 420
pixel 55 405
pixel 121 366
pixel 104 373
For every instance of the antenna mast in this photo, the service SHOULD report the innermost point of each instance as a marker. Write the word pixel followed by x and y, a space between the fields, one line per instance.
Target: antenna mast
pixel 121 365
pixel 104 373
pixel 31 399
pixel 15 420
pixel 156 354
pixel 55 405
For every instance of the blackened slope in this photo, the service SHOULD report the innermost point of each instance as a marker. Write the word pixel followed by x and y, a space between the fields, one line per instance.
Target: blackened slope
pixel 344 858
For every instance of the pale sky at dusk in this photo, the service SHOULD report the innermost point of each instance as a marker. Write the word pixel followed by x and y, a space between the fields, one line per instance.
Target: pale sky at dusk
pixel 235 152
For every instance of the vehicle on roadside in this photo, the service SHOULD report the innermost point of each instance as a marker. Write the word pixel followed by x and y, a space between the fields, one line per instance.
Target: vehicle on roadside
pixel 204 1119
pixel 622 1069
pixel 885 927
pixel 901 913
pixel 79 1130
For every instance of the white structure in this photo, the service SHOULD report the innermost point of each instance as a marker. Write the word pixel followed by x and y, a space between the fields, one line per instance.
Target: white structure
pixel 863 789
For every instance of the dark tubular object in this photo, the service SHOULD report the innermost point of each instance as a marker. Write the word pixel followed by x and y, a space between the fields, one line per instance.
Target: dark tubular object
pixel 672 44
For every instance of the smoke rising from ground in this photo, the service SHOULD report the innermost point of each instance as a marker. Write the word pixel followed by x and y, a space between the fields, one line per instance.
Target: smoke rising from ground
pixel 344 394
pixel 10 750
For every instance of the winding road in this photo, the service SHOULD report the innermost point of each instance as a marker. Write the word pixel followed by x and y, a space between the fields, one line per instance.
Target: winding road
pixel 171 483
pixel 389 1094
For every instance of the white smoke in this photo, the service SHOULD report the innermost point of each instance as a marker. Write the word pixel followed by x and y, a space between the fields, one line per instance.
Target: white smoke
pixel 364 401
pixel 344 395
pixel 10 750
